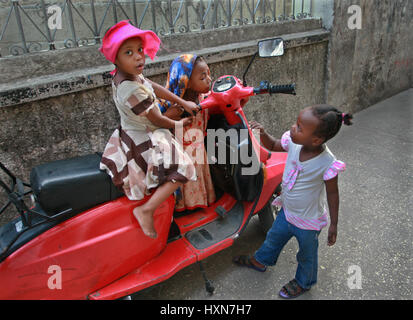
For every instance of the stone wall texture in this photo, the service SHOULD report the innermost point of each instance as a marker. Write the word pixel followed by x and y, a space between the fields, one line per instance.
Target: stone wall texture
pixel 376 62
pixel 69 112
pixel 57 105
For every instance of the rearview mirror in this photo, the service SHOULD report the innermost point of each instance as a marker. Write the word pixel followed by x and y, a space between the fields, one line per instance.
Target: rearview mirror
pixel 271 48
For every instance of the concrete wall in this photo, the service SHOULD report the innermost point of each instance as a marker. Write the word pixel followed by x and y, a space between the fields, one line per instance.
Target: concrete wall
pixel 18 69
pixel 58 104
pixel 324 9
pixel 376 62
pixel 47 116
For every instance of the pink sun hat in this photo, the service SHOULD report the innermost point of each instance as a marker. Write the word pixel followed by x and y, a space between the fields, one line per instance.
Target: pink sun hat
pixel 122 31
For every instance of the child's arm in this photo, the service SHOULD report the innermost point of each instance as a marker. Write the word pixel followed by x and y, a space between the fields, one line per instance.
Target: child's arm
pixel 158 119
pixel 163 93
pixel 174 112
pixel 333 201
pixel 267 140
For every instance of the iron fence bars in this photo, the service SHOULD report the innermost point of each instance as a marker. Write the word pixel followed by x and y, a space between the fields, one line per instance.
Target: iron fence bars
pixel 30 25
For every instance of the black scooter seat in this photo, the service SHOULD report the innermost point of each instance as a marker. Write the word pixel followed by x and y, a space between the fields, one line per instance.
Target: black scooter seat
pixel 77 184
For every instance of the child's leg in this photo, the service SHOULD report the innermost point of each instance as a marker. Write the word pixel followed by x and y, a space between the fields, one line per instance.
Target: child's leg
pixel 307 257
pixel 144 213
pixel 276 238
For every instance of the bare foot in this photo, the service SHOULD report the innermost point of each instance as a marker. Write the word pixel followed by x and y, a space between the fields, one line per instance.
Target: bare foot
pixel 145 220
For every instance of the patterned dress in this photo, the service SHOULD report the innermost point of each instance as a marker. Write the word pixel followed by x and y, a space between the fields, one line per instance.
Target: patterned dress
pixel 199 193
pixel 139 155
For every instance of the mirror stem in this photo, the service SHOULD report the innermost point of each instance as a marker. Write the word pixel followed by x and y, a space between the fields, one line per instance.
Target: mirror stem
pixel 244 82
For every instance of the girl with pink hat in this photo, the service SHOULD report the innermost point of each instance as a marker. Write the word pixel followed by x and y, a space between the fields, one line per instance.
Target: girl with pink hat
pixel 142 157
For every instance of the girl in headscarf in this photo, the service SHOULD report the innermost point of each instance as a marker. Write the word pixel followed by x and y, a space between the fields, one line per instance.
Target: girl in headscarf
pixel 189 78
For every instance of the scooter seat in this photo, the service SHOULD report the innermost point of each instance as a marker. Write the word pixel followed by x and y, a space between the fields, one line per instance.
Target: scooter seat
pixel 77 184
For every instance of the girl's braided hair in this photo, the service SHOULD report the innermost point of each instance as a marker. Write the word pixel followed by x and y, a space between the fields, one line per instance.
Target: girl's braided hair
pixel 331 120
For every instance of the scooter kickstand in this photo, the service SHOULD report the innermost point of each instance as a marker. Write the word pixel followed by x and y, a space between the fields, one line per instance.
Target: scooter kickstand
pixel 208 284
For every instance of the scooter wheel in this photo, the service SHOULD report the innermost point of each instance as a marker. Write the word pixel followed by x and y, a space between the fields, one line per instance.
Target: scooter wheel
pixel 266 216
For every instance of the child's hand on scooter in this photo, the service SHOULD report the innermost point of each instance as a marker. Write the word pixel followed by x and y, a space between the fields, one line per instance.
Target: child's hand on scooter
pixel 266 139
pixel 257 126
pixel 191 107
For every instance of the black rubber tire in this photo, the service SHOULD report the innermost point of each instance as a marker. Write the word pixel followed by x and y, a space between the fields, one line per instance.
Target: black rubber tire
pixel 267 216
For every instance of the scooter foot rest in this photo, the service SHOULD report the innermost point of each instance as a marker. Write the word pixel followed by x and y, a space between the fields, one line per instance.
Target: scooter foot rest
pixel 221 211
pixel 217 230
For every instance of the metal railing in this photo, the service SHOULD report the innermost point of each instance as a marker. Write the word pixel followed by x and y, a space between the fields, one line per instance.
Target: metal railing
pixel 29 26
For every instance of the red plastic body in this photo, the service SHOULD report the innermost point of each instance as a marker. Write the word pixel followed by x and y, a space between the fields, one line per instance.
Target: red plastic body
pixel 229 104
pixel 102 253
pixel 91 249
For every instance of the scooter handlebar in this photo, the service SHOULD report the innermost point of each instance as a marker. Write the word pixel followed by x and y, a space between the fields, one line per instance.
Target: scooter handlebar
pixel 286 89
pixel 228 92
pixel 266 87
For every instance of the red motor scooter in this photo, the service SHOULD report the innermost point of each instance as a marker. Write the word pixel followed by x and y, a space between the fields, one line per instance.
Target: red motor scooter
pixel 80 239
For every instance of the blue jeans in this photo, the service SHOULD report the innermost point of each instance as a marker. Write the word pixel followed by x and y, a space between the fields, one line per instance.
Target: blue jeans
pixel 307 256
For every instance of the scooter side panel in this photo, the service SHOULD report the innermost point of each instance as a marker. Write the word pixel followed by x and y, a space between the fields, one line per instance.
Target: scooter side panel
pixel 83 253
pixel 176 256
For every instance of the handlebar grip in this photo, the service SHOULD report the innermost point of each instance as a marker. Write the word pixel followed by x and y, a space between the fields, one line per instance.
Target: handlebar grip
pixel 284 88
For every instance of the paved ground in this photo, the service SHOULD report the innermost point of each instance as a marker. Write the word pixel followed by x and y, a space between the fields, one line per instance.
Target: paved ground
pixel 375 225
